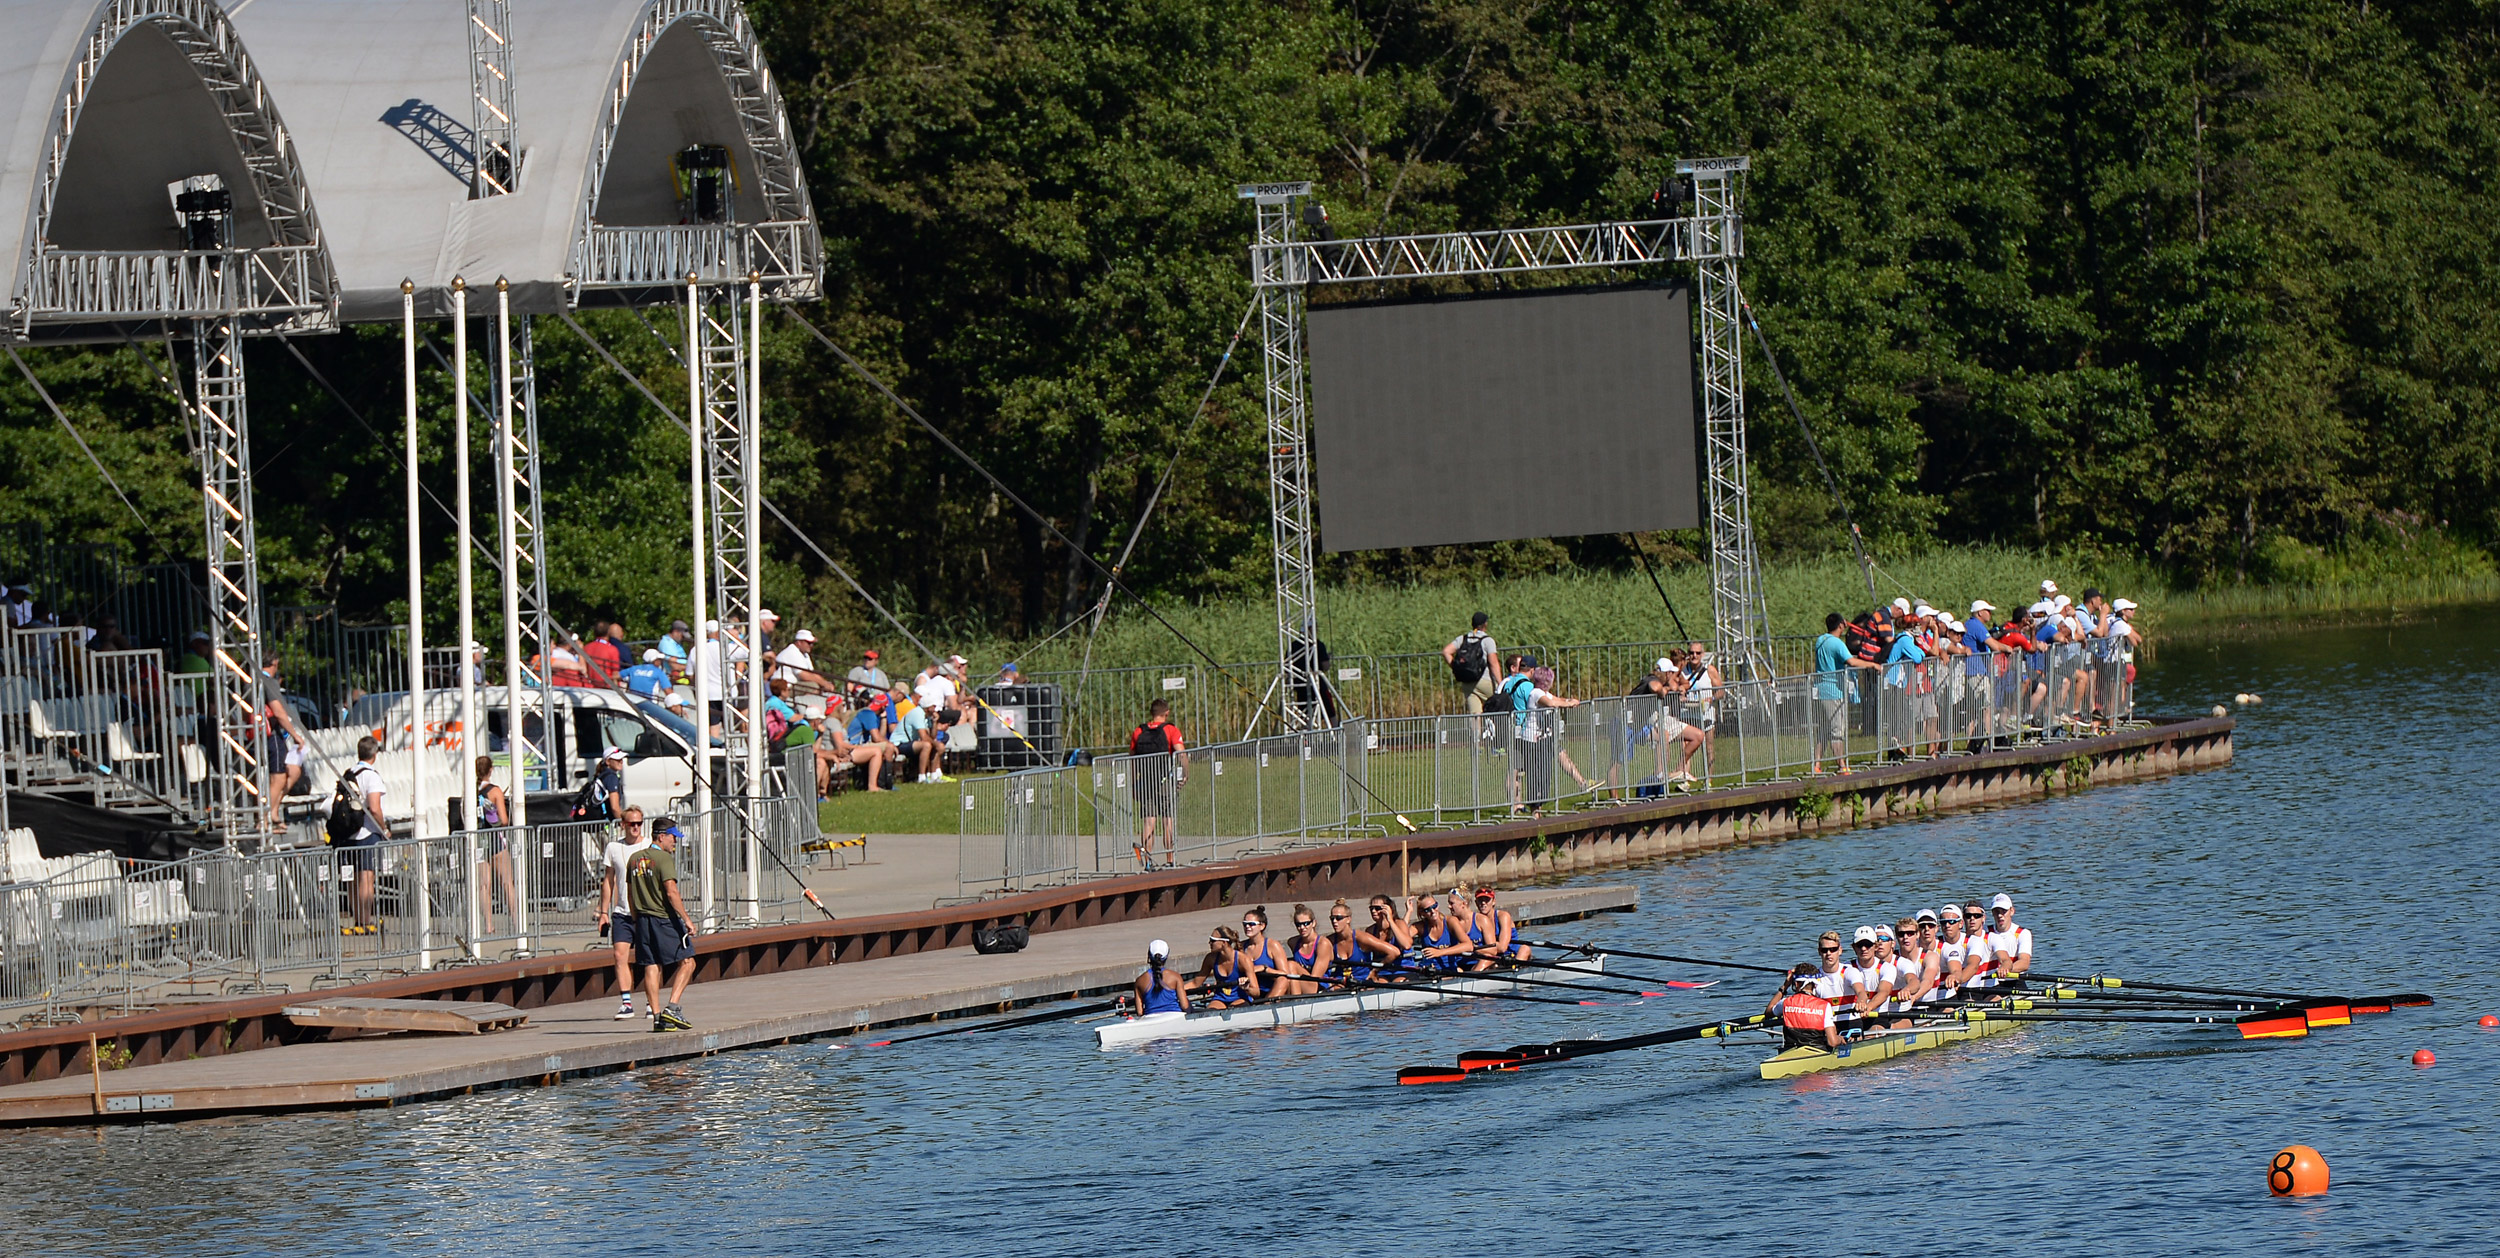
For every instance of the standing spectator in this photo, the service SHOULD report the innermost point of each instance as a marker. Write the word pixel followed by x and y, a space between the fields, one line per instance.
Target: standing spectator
pixel 195 652
pixel 867 682
pixel 616 911
pixel 2125 637
pixel 477 663
pixel 362 853
pixel 674 646
pixel 663 939
pixel 1009 675
pixel 1702 684
pixel 650 678
pixel 912 730
pixel 1532 743
pixel 2099 651
pixel 1833 658
pixel 1543 676
pixel 1983 671
pixel 796 664
pixel 1155 771
pixel 1473 660
pixel 862 743
pixel 493 812
pixel 1903 666
pixel 606 789
pixel 767 623
pixel 1871 637
pixel 716 662
pixel 283 742
pixel 22 606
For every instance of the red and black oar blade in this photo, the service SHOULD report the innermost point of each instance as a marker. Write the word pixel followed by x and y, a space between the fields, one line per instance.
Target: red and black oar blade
pixel 2327 1011
pixel 2411 1000
pixel 2373 1004
pixel 1489 1059
pixel 1430 1074
pixel 2273 1024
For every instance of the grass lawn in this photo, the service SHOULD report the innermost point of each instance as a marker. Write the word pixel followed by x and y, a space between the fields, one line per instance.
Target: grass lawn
pixel 908 810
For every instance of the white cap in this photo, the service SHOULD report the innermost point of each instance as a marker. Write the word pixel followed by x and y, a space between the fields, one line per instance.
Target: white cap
pixel 675 700
pixel 1979 605
pixel 805 636
pixel 1954 625
pixel 2064 602
pixel 1924 612
pixel 651 655
pixel 1902 604
pixel 2123 605
pixel 476 645
pixel 2003 901
pixel 1883 932
pixel 1866 934
pixel 957 660
pixel 1158 950
pixel 711 626
pixel 766 613
pixel 1926 915
pixel 614 753
pixel 1665 665
pixel 2048 587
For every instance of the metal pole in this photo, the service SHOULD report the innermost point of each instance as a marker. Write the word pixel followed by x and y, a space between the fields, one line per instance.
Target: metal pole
pixel 751 460
pixel 416 617
pixel 697 485
pixel 468 592
pixel 508 500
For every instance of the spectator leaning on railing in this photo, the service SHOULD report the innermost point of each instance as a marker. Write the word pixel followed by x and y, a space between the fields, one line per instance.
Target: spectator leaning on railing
pixel 1474 661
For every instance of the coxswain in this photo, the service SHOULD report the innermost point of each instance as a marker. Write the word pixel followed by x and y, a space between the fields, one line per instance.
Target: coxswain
pixel 1869 986
pixel 1224 979
pixel 1503 928
pixel 2010 943
pixel 1978 961
pixel 1806 1018
pixel 1160 989
pixel 1310 953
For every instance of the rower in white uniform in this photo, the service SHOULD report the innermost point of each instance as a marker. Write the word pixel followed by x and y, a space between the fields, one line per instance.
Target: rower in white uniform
pixel 1895 978
pixel 1978 961
pixel 1870 989
pixel 1952 953
pixel 2010 943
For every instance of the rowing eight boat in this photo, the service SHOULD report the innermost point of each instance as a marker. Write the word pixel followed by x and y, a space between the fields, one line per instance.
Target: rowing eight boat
pixel 1879 1046
pixel 1161 1026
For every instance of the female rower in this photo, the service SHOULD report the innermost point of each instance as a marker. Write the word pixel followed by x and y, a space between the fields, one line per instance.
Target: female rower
pixel 1388 938
pixel 1265 956
pixel 1159 990
pixel 1224 980
pixel 1439 941
pixel 1481 952
pixel 1346 960
pixel 1501 929
pixel 1310 953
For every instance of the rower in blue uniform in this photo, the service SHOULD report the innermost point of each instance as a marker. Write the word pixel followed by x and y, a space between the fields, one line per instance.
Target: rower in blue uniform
pixel 1160 989
pixel 1224 978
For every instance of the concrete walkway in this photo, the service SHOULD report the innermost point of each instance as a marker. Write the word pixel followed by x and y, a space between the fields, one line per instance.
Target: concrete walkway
pixel 584 1038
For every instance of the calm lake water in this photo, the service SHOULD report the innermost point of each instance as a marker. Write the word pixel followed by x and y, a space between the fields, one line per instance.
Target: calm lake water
pixel 2349 850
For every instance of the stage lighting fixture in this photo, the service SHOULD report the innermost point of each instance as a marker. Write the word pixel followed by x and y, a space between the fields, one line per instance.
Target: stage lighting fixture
pixel 704 178
pixel 203 213
pixel 1673 199
pixel 1315 218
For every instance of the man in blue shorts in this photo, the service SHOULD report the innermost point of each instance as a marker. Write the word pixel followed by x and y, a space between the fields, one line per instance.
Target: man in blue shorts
pixel 662 937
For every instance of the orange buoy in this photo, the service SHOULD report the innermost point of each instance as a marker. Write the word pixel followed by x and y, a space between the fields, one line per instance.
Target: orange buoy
pixel 2487 1020
pixel 2297 1171
pixel 2423 1057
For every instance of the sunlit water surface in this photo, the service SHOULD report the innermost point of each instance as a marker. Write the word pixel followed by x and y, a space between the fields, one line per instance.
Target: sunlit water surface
pixel 2350 849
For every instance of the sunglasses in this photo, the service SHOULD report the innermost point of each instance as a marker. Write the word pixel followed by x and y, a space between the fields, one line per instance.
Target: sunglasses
pixel 1831 948
pixel 1341 917
pixel 633 825
pixel 1303 921
pixel 1250 926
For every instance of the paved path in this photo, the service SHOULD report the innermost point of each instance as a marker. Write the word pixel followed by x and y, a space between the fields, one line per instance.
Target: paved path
pixel 584 1038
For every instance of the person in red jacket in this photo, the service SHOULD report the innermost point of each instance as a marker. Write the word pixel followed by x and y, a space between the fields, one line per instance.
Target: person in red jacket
pixel 1155 772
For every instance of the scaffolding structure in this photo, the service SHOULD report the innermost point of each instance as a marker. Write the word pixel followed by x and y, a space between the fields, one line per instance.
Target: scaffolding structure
pixel 722 324
pixel 495 162
pixel 237 806
pixel 1710 237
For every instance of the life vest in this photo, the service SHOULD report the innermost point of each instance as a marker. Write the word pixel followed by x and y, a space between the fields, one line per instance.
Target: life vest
pixel 1805 1011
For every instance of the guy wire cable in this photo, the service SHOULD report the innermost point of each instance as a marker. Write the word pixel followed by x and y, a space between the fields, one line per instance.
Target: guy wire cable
pixel 492 561
pixel 1643 552
pixel 83 448
pixel 1812 447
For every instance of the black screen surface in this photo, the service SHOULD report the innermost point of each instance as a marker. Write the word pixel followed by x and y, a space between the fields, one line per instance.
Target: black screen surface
pixel 1477 419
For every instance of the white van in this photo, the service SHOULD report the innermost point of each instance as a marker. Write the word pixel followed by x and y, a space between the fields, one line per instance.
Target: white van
pixel 658 746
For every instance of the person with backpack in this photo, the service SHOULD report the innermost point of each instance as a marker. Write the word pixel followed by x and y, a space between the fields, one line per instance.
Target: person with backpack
pixel 360 848
pixel 1473 661
pixel 1154 773
pixel 602 798
pixel 1533 733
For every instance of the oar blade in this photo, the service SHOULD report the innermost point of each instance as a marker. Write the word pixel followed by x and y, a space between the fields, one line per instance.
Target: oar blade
pixel 2411 1000
pixel 1430 1074
pixel 1488 1059
pixel 2327 1011
pixel 2273 1024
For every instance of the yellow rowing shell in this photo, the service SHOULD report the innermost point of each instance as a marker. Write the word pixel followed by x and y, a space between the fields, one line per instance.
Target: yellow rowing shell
pixel 1882 1047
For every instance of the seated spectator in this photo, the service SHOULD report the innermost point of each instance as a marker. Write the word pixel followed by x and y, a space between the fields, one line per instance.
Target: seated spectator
pixel 863 741
pixel 673 649
pixel 1008 675
pixel 914 733
pixel 604 655
pixel 866 682
pixel 564 663
pixel 650 678
pixel 796 664
pixel 782 719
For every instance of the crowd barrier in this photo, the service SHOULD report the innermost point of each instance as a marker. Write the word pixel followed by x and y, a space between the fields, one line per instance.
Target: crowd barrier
pixel 1216 802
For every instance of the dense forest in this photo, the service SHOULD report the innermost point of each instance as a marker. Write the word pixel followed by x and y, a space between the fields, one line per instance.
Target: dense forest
pixel 2206 283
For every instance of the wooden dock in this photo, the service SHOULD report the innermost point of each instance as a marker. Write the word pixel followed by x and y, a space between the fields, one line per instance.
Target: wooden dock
pixel 564 1041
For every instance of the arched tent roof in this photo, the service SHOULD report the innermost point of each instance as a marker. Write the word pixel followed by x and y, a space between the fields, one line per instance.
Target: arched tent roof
pixel 102 105
pixel 606 91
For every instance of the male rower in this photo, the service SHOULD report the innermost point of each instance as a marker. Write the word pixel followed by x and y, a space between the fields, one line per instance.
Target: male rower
pixel 1831 982
pixel 1806 1018
pixel 1920 940
pixel 1952 952
pixel 1979 970
pixel 1160 989
pixel 2010 943
pixel 1898 978
pixel 1870 988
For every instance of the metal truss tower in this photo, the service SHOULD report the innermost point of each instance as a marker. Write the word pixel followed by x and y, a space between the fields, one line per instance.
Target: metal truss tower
pixel 1279 273
pixel 495 164
pixel 1738 620
pixel 1711 238
pixel 522 538
pixel 237 808
pixel 725 326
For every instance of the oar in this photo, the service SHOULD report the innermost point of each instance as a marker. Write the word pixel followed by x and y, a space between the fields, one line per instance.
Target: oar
pixel 1434 985
pixel 2283 1023
pixel 2374 1004
pixel 1613 951
pixel 1031 1020
pixel 1566 1050
pixel 1681 984
pixel 1503 974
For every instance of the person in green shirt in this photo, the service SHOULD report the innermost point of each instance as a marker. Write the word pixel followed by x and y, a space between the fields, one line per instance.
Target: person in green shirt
pixel 662 937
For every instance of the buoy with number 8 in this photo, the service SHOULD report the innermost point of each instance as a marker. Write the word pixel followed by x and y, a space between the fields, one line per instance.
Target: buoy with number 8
pixel 2297 1171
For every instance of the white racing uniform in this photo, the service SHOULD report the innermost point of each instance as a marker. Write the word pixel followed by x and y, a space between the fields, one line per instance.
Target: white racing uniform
pixel 2006 945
